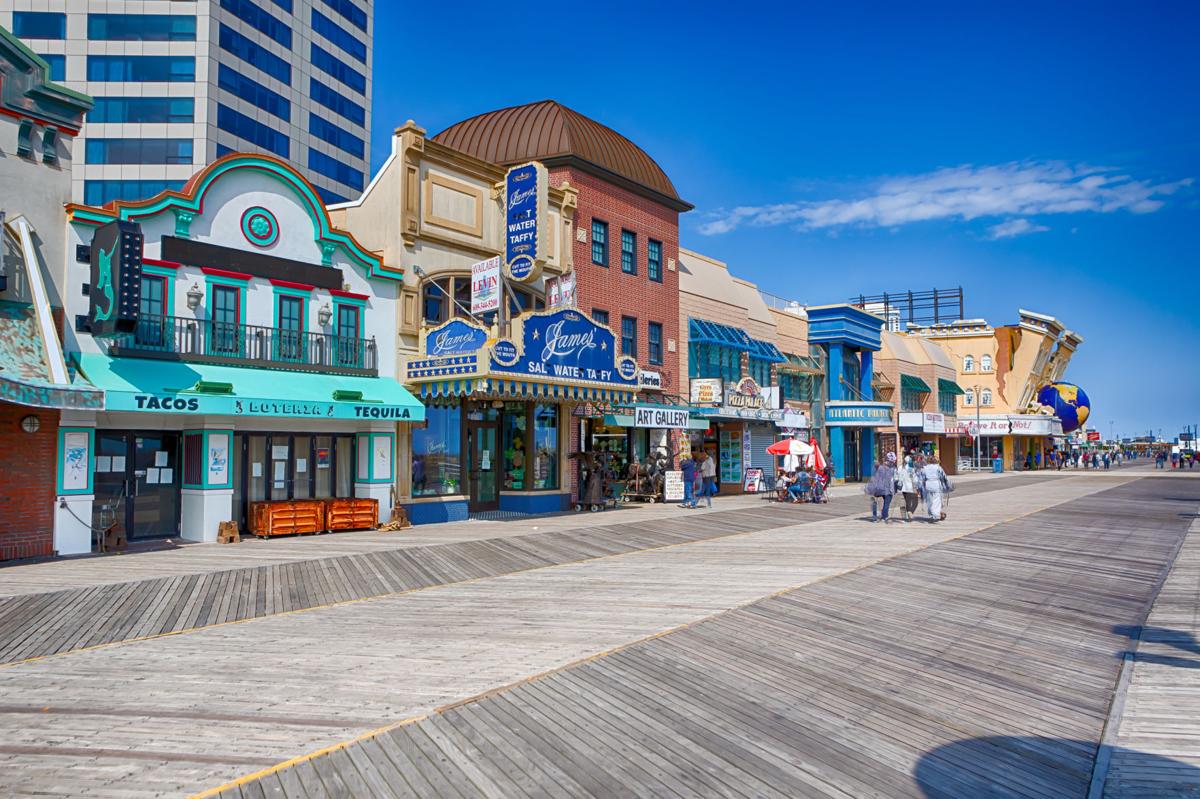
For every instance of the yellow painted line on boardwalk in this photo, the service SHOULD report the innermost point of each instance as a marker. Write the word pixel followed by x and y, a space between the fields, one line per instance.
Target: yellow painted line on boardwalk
pixel 266 772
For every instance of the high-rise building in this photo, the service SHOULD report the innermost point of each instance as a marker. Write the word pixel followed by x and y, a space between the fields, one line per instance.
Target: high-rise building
pixel 178 84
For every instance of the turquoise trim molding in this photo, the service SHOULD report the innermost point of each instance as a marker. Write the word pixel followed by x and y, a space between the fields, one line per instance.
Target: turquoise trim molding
pixel 372 442
pixel 207 456
pixel 63 466
pixel 210 281
pixel 259 226
pixel 280 344
pixel 169 276
pixel 193 201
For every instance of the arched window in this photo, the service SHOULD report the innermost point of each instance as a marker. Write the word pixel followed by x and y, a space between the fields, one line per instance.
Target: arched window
pixel 985 363
pixel 987 397
pixel 969 398
pixel 437 307
pixel 968 363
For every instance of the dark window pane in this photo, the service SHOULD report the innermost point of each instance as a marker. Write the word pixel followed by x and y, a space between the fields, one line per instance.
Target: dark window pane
pixel 654 342
pixel 250 13
pixel 328 131
pixel 336 102
pixel 100 192
pixel 39 25
pixel 654 260
pixel 142 27
pixel 252 130
pixel 335 169
pixel 629 336
pixel 332 65
pixel 138 151
pixel 252 91
pixel 356 16
pixel 343 39
pixel 628 252
pixel 599 242
pixel 600 317
pixel 58 68
pixel 234 42
pixel 142 109
pixel 141 68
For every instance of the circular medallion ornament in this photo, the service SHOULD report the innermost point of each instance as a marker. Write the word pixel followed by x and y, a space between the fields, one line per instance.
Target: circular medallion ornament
pixel 259 227
pixel 627 368
pixel 504 352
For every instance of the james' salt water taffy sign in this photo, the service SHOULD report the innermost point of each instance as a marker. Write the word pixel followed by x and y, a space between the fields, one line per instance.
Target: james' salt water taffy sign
pixel 565 345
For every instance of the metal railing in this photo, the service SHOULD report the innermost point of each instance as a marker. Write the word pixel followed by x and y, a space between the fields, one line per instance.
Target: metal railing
pixel 782 303
pixel 205 341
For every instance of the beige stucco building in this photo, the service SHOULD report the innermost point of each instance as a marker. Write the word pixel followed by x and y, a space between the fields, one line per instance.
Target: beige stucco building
pixel 918 376
pixel 1001 369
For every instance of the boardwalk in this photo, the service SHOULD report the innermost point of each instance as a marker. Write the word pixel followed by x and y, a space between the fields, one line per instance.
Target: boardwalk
pixel 562 664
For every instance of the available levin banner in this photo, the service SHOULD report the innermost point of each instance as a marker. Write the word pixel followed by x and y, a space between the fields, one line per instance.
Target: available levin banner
pixel 560 291
pixel 526 189
pixel 565 345
pixel 485 286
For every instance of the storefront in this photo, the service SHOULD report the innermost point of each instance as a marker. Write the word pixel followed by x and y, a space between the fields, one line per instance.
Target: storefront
pixel 1016 439
pixel 233 333
pixel 635 434
pixel 500 424
pixel 851 425
pixel 735 424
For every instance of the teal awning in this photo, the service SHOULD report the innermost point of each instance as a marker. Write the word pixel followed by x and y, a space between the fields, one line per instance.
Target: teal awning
pixel 157 386
pixel 949 387
pixel 702 331
pixel 914 384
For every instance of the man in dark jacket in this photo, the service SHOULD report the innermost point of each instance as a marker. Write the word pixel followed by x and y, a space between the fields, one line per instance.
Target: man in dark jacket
pixel 689 481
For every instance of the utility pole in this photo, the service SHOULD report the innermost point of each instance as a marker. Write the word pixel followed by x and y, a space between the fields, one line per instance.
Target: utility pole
pixel 976 390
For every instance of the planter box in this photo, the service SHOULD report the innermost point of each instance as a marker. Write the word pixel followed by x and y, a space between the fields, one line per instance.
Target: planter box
pixel 351 513
pixel 286 517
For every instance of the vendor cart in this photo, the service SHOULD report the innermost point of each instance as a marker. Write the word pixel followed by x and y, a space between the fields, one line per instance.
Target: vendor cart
pixel 593 489
pixel 644 483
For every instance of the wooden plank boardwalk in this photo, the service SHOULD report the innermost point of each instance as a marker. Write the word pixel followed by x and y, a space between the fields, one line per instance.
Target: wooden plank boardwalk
pixel 48 623
pixel 1156 742
pixel 983 666
pixel 169 715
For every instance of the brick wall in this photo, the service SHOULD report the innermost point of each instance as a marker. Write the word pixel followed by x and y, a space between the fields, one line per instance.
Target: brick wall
pixel 610 289
pixel 27 461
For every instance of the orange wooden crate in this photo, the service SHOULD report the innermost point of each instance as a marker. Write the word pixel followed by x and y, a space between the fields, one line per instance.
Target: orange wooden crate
pixel 351 513
pixel 285 517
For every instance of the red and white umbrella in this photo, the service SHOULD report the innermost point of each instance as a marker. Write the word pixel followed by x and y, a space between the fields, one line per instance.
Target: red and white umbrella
pixel 816 459
pixel 790 446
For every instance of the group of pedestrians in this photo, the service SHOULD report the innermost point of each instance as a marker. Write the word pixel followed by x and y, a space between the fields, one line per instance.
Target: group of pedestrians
pixel 924 479
pixel 699 479
pixel 1178 460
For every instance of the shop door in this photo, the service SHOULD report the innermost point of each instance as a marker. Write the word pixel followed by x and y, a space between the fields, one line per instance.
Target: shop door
pixel 851 453
pixel 137 483
pixel 483 469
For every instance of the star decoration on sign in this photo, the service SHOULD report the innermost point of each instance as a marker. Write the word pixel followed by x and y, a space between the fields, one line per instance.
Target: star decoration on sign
pixel 535 335
pixel 604 346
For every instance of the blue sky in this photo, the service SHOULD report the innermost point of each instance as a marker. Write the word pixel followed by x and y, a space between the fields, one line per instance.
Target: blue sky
pixel 1040 155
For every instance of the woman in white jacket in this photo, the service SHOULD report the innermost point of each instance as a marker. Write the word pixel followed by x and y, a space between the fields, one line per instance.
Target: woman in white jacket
pixel 935 486
pixel 906 476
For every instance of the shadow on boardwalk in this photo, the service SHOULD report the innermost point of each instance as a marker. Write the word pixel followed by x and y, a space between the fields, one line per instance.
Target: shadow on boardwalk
pixel 1164 637
pixel 1029 766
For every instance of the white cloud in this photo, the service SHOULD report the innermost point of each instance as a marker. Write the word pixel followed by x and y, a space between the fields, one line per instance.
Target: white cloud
pixel 964 193
pixel 1014 227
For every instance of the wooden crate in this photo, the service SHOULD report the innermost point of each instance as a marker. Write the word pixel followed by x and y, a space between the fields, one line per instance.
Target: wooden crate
pixel 351 513
pixel 285 517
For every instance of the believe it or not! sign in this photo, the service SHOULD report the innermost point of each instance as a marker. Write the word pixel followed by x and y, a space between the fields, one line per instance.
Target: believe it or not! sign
pixel 526 188
pixel 674 418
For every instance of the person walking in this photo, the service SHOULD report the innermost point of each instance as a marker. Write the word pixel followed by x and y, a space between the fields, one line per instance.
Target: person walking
pixel 1107 460
pixel 935 485
pixel 882 487
pixel 906 477
pixel 708 477
pixel 688 467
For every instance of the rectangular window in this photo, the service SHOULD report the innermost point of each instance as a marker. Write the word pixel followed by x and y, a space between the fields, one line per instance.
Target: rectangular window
pixel 514 443
pixel 291 328
pixel 599 242
pixel 286 5
pixel 99 192
pixel 252 130
pixel 348 331
pixel 545 447
pixel 336 102
pixel 57 62
pixel 142 68
pixel 25 140
pixel 629 252
pixel 50 146
pixel 712 361
pixel 142 27
pixel 330 197
pixel 335 169
pixel 325 130
pixel 437 452
pixel 946 402
pixel 249 12
pixel 331 65
pixel 600 317
pixel 911 400
pixel 142 109
pixel 654 343
pixel 233 42
pixel 151 326
pixel 343 39
pixel 254 92
pixel 226 319
pixel 760 370
pixel 39 25
pixel 654 260
pixel 629 336
pixel 356 16
pixel 138 151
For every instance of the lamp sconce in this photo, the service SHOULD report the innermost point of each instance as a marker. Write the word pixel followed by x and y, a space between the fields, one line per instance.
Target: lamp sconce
pixel 324 315
pixel 194 297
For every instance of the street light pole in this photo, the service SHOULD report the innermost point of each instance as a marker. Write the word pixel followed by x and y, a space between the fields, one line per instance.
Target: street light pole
pixel 975 389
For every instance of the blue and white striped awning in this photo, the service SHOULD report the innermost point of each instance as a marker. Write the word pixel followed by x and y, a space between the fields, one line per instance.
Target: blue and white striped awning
pixel 523 389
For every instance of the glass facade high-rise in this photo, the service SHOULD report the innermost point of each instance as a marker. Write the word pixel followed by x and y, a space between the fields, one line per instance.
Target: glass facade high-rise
pixel 177 88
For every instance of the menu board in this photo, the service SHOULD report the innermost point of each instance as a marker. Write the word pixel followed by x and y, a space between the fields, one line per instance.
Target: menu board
pixel 673 486
pixel 731 454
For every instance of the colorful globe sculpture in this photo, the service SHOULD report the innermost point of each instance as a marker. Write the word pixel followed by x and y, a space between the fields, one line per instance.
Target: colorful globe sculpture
pixel 1069 403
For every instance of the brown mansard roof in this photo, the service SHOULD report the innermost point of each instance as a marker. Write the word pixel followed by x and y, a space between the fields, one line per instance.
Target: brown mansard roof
pixel 555 135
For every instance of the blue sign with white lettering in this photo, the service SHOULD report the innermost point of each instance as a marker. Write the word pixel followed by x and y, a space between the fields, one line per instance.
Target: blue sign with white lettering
pixel 525 188
pixel 456 337
pixel 568 345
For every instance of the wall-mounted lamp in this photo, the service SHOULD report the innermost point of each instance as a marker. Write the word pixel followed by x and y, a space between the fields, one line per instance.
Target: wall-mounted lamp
pixel 324 315
pixel 194 296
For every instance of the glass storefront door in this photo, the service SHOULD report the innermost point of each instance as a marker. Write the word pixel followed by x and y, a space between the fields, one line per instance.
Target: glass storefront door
pixel 137 483
pixel 483 468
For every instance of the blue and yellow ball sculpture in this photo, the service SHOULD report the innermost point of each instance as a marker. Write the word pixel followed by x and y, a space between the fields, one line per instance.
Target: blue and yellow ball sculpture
pixel 1069 403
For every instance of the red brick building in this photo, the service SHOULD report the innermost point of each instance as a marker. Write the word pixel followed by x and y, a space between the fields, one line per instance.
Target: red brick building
pixel 626 223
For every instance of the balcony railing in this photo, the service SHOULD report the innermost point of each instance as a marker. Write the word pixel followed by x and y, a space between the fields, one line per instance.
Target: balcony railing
pixel 204 341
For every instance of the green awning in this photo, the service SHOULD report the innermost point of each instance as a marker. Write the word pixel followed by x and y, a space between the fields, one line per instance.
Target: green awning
pixel 157 386
pixel 914 384
pixel 949 387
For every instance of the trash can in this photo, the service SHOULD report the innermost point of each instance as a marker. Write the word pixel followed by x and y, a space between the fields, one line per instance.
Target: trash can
pixel 997 465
